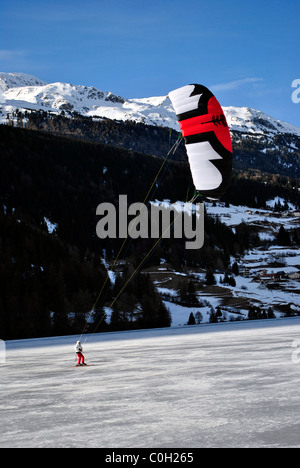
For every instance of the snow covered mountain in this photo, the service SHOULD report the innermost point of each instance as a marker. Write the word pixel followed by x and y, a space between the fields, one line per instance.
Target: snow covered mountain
pixel 20 91
pixel 25 92
pixel 247 120
pixel 18 80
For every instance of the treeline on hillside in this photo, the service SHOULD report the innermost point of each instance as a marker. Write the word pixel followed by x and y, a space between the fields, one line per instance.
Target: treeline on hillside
pixel 255 188
pixel 278 155
pixel 49 287
pixel 146 139
pixel 257 176
pixel 139 306
pixel 43 280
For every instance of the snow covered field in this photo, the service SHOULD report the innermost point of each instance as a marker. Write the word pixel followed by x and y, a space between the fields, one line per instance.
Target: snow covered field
pixel 218 385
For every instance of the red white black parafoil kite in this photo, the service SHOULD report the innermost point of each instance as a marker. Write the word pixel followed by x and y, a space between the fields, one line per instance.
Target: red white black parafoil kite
pixel 207 138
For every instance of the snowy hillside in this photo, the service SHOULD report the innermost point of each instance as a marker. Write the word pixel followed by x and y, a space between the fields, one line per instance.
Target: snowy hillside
pixel 218 385
pixel 268 274
pixel 21 91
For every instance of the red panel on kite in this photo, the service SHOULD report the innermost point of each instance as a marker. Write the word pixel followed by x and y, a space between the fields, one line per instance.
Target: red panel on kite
pixel 207 138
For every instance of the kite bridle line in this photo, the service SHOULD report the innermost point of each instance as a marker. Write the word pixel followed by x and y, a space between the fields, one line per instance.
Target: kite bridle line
pixel 171 152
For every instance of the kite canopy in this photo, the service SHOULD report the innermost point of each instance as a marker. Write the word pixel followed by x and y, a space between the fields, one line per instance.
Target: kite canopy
pixel 207 138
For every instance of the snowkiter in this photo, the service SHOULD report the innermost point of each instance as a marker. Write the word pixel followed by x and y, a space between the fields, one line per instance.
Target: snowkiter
pixel 78 351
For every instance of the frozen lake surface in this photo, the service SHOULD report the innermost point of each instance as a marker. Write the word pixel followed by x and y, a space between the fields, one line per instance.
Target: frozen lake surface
pixel 220 385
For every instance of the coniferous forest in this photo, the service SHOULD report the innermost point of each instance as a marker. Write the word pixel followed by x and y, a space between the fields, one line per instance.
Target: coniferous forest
pixel 50 278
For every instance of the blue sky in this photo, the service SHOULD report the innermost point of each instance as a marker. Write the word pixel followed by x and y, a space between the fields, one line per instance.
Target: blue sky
pixel 248 53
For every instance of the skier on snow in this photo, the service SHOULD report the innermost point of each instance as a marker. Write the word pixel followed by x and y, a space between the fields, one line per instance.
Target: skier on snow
pixel 78 351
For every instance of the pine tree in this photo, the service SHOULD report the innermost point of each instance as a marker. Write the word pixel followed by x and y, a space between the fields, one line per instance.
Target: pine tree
pixel 198 317
pixel 213 317
pixel 283 237
pixel 218 313
pixel 187 293
pixel 191 320
pixel 183 292
pixel 164 316
pixel 209 277
pixel 235 269
pixel 270 313
pixel 192 296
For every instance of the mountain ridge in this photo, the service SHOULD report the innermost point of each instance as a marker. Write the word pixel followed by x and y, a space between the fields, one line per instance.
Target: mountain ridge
pixel 23 91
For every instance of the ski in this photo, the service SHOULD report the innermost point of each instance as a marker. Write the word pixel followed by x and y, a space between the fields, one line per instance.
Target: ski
pixel 87 365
